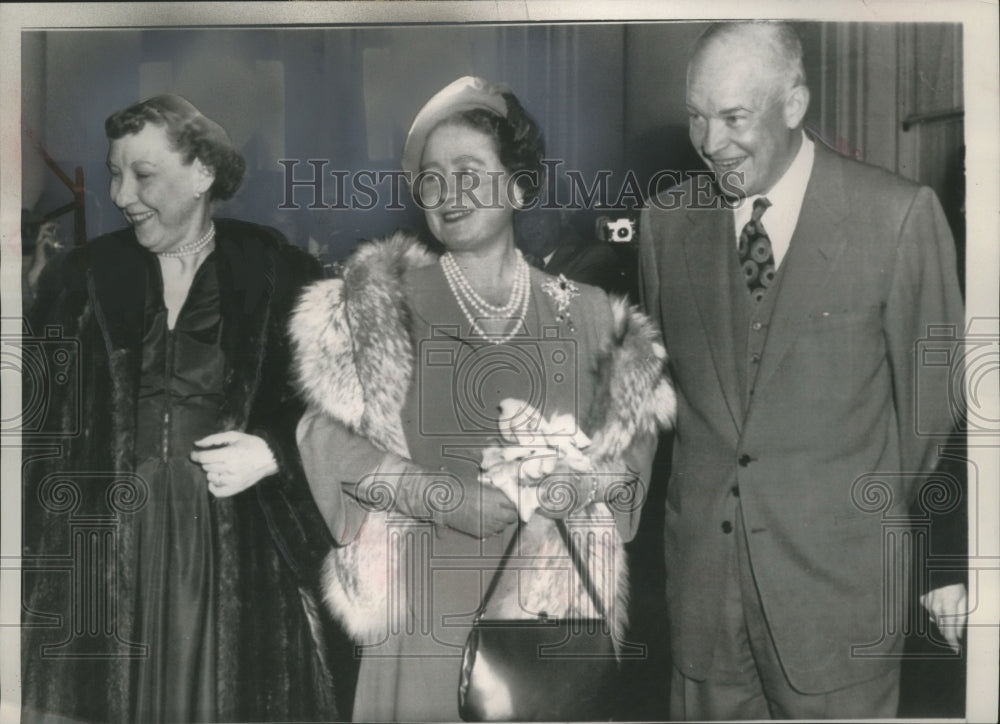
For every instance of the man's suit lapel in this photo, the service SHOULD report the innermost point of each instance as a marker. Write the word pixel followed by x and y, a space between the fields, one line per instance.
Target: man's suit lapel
pixel 710 252
pixel 817 242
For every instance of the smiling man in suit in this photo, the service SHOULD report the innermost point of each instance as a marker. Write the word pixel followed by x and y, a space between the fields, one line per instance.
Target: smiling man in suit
pixel 791 300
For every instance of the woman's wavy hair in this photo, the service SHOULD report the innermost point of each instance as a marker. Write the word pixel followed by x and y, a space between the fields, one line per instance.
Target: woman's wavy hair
pixel 191 134
pixel 520 142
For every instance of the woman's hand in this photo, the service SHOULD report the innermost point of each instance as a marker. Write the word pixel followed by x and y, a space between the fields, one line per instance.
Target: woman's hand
pixel 566 490
pixel 233 461
pixel 46 245
pixel 485 511
pixel 466 505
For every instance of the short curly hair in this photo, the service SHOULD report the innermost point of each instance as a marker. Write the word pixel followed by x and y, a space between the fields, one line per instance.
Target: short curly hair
pixel 519 141
pixel 191 134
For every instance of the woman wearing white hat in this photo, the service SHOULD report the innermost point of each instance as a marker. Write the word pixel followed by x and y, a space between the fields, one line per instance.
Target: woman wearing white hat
pixel 433 380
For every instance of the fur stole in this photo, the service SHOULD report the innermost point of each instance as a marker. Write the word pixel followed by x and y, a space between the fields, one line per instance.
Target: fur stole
pixel 355 361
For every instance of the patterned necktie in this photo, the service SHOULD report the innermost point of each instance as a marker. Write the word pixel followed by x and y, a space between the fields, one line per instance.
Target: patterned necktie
pixel 756 256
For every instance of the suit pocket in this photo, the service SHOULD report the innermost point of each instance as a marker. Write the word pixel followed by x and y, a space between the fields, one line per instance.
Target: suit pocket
pixel 832 317
pixel 841 349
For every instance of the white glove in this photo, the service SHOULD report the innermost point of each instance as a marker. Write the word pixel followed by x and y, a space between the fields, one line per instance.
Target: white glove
pixel 532 448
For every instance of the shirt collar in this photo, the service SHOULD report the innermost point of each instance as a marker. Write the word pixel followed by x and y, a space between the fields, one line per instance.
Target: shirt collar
pixel 789 190
pixel 786 197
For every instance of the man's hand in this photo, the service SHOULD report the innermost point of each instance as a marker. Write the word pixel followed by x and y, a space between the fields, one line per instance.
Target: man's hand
pixel 949 610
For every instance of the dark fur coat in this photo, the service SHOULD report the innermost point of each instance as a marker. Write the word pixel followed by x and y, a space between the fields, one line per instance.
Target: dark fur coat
pixel 270 661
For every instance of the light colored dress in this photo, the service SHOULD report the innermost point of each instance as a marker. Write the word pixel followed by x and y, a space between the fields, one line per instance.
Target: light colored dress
pixel 448 418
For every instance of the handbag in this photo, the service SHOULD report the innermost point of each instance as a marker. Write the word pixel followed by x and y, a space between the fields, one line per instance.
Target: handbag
pixel 543 669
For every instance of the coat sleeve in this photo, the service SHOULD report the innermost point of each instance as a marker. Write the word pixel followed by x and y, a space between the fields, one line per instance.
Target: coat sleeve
pixel 295 523
pixel 649 282
pixel 333 456
pixel 924 328
pixel 638 458
pixel 923 322
pixel 635 398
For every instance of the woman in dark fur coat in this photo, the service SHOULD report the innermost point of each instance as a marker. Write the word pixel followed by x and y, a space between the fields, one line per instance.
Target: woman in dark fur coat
pixel 464 401
pixel 172 580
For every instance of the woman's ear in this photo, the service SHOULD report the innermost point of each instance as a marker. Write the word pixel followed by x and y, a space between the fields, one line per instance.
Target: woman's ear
pixel 518 196
pixel 204 177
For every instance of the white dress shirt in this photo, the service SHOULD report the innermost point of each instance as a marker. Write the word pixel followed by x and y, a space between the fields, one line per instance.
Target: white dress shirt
pixel 786 196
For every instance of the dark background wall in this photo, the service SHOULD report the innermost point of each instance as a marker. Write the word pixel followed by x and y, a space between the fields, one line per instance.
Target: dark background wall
pixel 609 97
pixel 343 95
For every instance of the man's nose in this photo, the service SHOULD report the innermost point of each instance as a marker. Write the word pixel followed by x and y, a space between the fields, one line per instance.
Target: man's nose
pixel 716 137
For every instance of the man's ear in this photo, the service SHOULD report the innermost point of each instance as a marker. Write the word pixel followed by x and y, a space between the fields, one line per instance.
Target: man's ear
pixel 796 105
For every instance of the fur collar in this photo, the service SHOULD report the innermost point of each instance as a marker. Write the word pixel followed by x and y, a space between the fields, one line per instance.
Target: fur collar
pixel 354 354
pixel 118 273
pixel 354 361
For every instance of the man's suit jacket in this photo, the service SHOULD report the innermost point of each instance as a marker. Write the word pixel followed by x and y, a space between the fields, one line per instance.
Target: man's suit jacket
pixel 826 450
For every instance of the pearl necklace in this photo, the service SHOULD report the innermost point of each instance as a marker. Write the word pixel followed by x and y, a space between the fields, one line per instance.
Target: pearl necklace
pixel 515 308
pixel 192 248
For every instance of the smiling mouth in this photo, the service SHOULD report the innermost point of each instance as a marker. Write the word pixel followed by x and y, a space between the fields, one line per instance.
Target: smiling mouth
pixel 137 219
pixel 728 164
pixel 452 216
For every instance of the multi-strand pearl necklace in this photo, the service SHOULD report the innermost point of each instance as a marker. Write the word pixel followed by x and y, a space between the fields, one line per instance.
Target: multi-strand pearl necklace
pixel 194 247
pixel 514 309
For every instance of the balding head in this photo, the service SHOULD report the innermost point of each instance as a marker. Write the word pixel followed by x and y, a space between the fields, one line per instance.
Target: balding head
pixel 774 48
pixel 746 100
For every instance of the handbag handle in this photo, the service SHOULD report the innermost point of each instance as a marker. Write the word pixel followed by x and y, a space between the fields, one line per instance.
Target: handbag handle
pixel 578 563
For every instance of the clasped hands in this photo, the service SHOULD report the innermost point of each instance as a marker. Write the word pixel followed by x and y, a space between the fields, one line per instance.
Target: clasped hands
pixel 536 464
pixel 541 463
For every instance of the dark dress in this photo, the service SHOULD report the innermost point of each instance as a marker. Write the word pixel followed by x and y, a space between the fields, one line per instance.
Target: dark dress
pixel 180 392
pixel 202 608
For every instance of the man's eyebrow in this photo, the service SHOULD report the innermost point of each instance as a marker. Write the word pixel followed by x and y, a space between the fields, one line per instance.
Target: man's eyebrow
pixel 723 112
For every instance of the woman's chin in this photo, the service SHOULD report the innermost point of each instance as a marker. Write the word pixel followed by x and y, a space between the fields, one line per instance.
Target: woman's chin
pixel 151 242
pixel 146 243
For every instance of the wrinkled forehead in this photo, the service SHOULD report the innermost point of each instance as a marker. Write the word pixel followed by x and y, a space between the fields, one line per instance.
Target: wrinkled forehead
pixel 725 75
